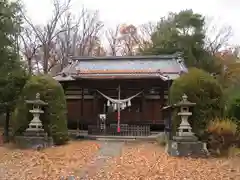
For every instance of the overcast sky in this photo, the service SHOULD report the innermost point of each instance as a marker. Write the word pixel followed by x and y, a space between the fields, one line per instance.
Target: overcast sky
pixel 137 12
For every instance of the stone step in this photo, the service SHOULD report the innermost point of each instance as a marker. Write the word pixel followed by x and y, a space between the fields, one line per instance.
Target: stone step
pixel 114 137
pixel 115 140
pixel 118 138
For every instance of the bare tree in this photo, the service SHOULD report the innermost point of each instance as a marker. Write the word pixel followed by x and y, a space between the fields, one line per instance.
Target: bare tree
pixel 88 35
pixel 129 40
pixel 132 39
pixel 29 46
pixel 112 36
pixel 217 37
pixel 63 42
pixel 49 32
pixel 145 32
pixel 81 38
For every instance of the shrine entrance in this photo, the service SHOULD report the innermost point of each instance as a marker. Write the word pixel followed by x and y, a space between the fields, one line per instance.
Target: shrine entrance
pixel 109 122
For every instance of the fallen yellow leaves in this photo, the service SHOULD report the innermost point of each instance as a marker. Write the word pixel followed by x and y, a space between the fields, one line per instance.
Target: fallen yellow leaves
pixel 150 162
pixel 51 163
pixel 144 161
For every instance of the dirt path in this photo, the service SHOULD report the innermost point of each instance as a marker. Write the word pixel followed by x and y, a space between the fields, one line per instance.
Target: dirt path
pixel 108 150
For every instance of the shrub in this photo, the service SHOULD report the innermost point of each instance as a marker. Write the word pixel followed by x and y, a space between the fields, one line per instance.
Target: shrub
pixel 202 89
pixel 222 135
pixel 232 108
pixel 54 119
pixel 233 105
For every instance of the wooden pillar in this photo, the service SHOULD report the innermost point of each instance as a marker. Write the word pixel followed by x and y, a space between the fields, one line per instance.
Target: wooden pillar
pixel 95 105
pixel 161 100
pixel 64 85
pixel 82 105
pixel 143 116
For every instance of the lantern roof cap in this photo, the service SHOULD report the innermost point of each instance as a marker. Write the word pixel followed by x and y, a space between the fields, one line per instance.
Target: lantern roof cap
pixel 37 101
pixel 185 102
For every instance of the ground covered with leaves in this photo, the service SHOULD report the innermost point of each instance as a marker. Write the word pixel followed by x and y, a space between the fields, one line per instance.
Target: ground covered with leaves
pixel 137 161
pixel 150 162
pixel 52 163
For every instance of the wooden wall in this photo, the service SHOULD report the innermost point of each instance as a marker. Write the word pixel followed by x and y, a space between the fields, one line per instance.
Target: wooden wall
pixel 145 109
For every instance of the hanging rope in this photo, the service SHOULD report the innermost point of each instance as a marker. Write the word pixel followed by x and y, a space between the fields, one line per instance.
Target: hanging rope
pixel 119 101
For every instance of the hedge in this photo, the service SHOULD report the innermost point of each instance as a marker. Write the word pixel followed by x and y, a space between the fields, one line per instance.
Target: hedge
pixel 54 119
pixel 202 89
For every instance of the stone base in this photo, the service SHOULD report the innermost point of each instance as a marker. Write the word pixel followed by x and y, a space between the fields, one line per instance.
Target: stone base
pixel 186 149
pixel 185 138
pixel 33 142
pixel 31 133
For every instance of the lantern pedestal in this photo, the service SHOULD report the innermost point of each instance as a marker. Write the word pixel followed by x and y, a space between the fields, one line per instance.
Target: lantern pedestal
pixel 187 149
pixel 185 143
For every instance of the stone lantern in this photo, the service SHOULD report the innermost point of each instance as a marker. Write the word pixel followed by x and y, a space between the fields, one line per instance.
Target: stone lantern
pixel 34 136
pixel 185 143
pixel 184 129
pixel 35 126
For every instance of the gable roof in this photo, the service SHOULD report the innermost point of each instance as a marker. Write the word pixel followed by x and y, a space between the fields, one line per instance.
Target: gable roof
pixel 123 67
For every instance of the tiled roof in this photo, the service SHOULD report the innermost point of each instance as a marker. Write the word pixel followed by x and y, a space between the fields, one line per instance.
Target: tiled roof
pixel 164 66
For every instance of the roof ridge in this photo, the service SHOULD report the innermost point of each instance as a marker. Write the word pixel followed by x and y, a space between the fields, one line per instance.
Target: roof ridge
pixel 160 57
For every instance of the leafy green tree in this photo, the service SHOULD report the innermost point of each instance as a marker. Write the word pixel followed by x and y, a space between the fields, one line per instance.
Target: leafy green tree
pixel 184 32
pixel 12 75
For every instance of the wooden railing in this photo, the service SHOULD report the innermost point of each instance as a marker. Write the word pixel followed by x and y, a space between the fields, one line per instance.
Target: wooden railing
pixel 126 130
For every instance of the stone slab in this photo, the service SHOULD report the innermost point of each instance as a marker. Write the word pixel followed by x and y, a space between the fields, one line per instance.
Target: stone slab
pixel 186 149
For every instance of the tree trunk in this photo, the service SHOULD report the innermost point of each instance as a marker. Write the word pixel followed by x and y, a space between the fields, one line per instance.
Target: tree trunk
pixel 6 126
pixel 30 65
pixel 45 59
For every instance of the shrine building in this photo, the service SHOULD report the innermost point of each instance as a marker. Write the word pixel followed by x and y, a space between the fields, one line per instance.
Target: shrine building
pixel 128 91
